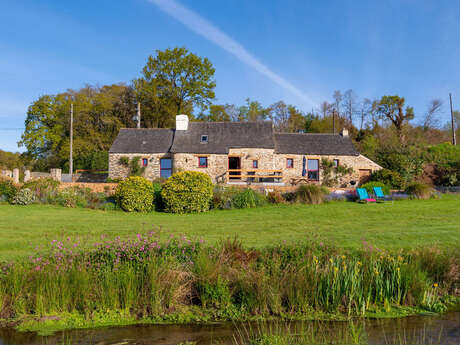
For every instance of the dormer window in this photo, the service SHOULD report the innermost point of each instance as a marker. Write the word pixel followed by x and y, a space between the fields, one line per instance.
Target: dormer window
pixel 204 139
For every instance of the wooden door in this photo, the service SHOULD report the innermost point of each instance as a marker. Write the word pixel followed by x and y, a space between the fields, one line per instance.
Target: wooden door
pixel 364 175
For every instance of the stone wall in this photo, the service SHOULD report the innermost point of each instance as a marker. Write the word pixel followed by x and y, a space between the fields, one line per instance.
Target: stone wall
pixel 151 172
pixel 218 164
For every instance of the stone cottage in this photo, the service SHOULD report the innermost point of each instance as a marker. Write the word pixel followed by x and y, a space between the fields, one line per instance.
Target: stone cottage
pixel 237 153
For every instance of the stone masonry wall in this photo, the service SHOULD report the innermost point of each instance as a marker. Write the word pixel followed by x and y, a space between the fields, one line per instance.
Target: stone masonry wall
pixel 218 164
pixel 152 171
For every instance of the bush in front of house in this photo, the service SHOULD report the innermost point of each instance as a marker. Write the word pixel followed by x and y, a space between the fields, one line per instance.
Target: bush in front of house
pixel 135 194
pixel 418 190
pixel 248 198
pixel 390 178
pixel 44 189
pixel 187 192
pixel 311 194
pixel 275 198
pixel 369 186
pixel 7 189
pixel 23 197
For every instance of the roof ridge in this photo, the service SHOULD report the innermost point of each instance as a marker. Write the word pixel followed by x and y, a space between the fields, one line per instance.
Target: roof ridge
pixel 284 133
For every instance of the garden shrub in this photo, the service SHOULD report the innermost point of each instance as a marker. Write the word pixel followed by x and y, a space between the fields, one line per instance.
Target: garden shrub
pixel 419 190
pixel 7 189
pixel 43 188
pixel 275 198
pixel 390 178
pixel 73 197
pixel 187 192
pixel 369 186
pixel 311 194
pixel 23 197
pixel 135 194
pixel 248 198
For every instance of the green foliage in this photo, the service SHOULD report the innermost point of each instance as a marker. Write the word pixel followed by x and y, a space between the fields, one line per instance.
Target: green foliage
pixel 392 108
pixel 135 194
pixel 331 174
pixel 73 197
pixel 93 161
pixel 43 188
pixel 174 81
pixel 144 277
pixel 369 186
pixel 446 160
pixel 187 192
pixel 99 114
pixel 420 190
pixel 248 198
pixel 311 194
pixel 135 168
pixel 24 196
pixel 10 160
pixel 407 162
pixel 7 189
pixel 390 178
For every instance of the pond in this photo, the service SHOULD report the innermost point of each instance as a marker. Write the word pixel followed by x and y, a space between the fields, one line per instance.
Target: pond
pixel 443 329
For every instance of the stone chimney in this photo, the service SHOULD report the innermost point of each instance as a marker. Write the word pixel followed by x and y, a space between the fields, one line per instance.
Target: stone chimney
pixel 344 132
pixel 181 122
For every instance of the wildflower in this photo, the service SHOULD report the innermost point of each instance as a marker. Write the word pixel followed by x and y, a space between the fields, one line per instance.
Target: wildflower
pixel 343 256
pixel 435 285
pixel 336 269
pixel 331 260
pixel 359 263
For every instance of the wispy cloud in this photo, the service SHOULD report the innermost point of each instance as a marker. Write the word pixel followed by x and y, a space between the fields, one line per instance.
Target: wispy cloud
pixel 201 26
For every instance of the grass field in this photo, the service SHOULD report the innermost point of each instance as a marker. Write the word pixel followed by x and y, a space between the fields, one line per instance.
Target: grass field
pixel 404 224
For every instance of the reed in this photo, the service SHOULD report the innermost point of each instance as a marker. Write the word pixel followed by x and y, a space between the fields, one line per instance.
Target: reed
pixel 146 278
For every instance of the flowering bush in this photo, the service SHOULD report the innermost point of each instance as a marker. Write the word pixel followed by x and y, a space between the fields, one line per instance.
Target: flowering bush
pixel 135 194
pixel 23 197
pixel 7 189
pixel 44 189
pixel 187 192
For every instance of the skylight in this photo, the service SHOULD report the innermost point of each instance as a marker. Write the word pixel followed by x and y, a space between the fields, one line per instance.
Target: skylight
pixel 204 139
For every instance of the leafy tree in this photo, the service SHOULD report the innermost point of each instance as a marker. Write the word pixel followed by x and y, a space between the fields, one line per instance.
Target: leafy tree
pixel 253 111
pixel 217 112
pixel 392 108
pixel 174 81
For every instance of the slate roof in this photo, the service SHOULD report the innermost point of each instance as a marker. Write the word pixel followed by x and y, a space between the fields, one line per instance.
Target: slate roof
pixel 225 135
pixel 222 136
pixel 143 140
pixel 314 144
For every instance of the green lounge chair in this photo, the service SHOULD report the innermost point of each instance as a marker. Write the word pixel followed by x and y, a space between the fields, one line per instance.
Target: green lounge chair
pixel 380 196
pixel 363 196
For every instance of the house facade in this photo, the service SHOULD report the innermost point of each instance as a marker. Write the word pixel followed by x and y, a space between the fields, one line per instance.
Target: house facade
pixel 237 153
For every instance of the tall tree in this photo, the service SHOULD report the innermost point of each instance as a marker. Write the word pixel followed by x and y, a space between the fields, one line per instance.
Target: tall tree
pixel 217 112
pixel 349 105
pixel 253 111
pixel 392 108
pixel 338 98
pixel 280 116
pixel 174 81
pixel 433 109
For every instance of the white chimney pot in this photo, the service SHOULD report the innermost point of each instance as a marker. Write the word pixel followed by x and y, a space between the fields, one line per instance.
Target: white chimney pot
pixel 181 122
pixel 344 132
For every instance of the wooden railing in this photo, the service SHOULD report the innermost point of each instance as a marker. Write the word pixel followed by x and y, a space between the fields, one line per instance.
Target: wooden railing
pixel 254 175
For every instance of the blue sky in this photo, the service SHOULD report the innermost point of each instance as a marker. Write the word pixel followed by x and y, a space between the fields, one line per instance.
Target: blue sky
pixel 297 51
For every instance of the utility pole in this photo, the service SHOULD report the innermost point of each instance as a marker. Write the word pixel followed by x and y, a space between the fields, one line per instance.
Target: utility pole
pixel 138 114
pixel 71 142
pixel 454 139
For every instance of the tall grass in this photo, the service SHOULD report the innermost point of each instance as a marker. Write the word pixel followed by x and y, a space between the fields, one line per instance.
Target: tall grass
pixel 145 278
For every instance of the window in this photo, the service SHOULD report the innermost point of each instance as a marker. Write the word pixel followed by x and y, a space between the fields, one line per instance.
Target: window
pixel 255 164
pixel 336 163
pixel 290 163
pixel 165 167
pixel 145 162
pixel 313 169
pixel 204 139
pixel 202 162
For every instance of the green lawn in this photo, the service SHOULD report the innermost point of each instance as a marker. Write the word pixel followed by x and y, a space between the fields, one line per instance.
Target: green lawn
pixel 404 224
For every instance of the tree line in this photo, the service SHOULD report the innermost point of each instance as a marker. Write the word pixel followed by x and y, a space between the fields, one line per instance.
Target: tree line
pixel 176 81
